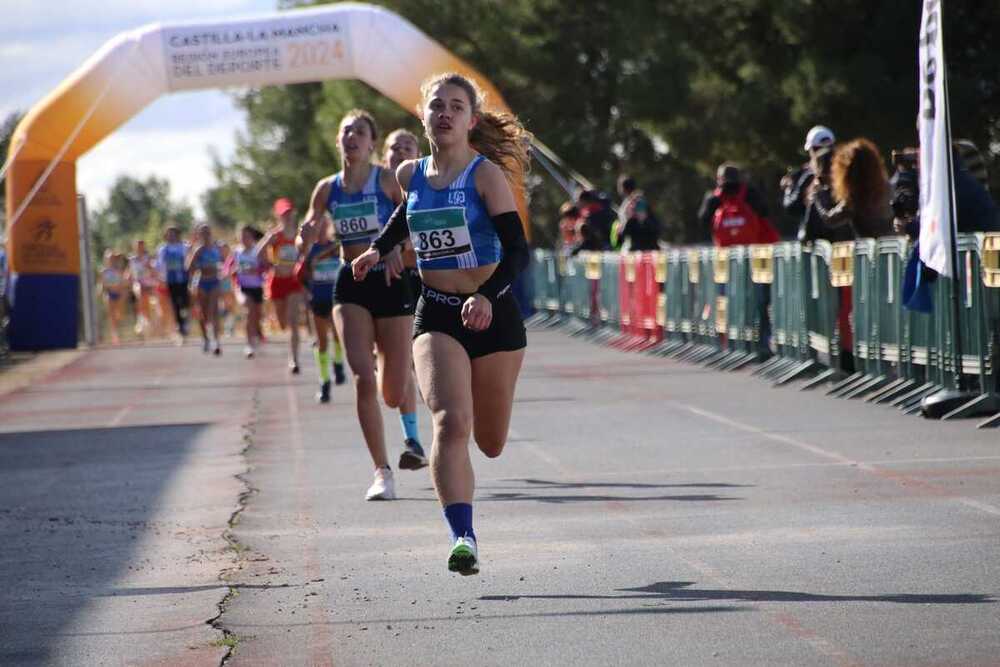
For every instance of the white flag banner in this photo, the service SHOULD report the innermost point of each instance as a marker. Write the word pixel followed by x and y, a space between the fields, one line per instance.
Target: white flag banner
pixel 936 225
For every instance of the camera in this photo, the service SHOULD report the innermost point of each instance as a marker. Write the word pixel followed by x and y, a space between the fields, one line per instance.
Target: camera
pixel 905 184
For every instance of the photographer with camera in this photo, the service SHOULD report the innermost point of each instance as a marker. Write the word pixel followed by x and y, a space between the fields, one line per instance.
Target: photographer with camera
pixel 796 183
pixel 905 188
pixel 976 211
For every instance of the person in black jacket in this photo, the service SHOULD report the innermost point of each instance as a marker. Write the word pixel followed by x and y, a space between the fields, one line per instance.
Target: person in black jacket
pixel 595 208
pixel 637 228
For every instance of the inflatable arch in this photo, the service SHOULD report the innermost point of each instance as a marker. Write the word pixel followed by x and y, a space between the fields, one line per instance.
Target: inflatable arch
pixel 342 41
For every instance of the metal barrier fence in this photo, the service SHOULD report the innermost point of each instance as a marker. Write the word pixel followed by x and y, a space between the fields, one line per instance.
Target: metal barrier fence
pixel 829 313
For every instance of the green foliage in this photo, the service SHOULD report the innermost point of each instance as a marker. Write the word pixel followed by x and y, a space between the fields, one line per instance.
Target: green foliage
pixel 7 128
pixel 137 210
pixel 665 91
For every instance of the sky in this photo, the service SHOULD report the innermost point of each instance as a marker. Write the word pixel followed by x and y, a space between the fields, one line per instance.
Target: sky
pixel 43 41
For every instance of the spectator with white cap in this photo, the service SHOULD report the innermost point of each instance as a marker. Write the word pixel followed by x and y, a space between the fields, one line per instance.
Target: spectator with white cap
pixel 795 184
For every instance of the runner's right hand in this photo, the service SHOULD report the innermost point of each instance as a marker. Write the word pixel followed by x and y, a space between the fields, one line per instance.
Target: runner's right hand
pixel 363 264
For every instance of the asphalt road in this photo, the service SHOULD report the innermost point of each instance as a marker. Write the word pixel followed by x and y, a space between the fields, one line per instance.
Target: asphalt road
pixel 644 512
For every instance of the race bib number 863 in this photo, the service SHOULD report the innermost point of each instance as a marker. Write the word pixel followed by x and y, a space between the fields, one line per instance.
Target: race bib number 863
pixel 439 232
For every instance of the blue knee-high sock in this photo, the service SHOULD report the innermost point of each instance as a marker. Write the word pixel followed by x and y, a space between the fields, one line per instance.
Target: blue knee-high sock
pixel 459 518
pixel 408 420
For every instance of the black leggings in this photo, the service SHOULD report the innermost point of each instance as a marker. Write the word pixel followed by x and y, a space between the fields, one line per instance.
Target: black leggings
pixel 179 299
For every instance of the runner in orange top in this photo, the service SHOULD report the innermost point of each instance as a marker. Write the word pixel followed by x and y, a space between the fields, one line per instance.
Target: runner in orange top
pixel 283 288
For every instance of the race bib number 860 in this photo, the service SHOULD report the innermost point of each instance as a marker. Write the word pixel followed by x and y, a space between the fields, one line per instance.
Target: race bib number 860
pixel 356 223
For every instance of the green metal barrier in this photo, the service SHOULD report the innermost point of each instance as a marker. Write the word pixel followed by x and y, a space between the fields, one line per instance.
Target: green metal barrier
pixel 701 283
pixel 547 283
pixel 887 335
pixel 822 300
pixel 736 311
pixel 858 275
pixel 989 263
pixel 677 304
pixel 978 317
pixel 918 355
pixel 789 296
pixel 710 312
pixel 610 308
pixel 577 302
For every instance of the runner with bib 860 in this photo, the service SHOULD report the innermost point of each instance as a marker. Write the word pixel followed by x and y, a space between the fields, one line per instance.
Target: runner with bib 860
pixel 373 312
pixel 469 339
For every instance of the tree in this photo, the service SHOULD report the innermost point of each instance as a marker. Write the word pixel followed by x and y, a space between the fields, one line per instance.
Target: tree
pixel 137 209
pixel 7 128
pixel 665 91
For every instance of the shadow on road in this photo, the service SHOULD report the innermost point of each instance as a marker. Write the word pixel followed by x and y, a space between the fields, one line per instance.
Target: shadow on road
pixel 73 506
pixel 681 591
pixel 534 485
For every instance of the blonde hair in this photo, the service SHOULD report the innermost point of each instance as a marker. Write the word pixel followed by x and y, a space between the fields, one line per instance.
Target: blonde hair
pixel 392 138
pixel 500 137
pixel 401 132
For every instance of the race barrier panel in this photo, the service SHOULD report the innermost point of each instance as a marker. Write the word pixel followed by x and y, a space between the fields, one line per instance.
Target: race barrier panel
pixel 833 312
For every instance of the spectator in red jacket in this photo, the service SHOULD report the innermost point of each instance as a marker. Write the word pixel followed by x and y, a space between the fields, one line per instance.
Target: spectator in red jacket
pixel 738 216
pixel 736 211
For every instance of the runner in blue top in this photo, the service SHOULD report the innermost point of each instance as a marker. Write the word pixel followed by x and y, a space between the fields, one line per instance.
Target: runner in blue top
pixel 378 310
pixel 170 261
pixel 206 261
pixel 469 339
pixel 402 145
pixel 322 266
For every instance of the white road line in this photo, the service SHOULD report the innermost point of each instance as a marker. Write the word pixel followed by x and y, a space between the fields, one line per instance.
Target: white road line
pixel 837 457
pixel 539 452
pixel 119 416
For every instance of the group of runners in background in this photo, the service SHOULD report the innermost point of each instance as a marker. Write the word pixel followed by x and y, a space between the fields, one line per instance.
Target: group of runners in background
pixel 406 266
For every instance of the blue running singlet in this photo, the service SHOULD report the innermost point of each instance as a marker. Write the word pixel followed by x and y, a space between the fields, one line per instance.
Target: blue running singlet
pixel 324 270
pixel 450 228
pixel 360 216
pixel 170 260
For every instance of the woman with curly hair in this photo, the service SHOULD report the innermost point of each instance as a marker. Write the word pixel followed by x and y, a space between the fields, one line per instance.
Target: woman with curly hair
pixel 861 190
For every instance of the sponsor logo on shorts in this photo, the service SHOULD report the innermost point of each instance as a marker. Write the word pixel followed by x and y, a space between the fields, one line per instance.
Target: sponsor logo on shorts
pixel 446 299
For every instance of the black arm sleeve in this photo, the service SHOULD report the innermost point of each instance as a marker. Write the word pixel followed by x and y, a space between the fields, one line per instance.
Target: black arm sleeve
pixel 515 255
pixel 395 232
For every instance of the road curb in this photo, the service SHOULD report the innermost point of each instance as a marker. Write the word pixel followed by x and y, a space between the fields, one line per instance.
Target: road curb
pixel 25 373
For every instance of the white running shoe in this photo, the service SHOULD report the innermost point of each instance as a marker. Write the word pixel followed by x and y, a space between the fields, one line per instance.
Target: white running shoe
pixel 464 557
pixel 383 487
pixel 248 352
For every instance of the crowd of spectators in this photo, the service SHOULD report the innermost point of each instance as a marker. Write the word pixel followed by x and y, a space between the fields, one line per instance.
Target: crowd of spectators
pixel 842 191
pixel 592 222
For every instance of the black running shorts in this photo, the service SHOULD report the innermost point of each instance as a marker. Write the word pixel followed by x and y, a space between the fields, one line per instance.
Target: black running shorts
pixel 442 312
pixel 381 300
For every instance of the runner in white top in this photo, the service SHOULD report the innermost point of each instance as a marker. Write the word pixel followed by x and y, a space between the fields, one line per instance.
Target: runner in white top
pixel 142 271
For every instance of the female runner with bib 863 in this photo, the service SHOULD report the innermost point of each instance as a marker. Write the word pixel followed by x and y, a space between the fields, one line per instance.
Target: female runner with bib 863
pixel 376 312
pixel 469 339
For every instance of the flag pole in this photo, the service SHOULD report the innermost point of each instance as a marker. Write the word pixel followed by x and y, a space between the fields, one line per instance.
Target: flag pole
pixel 956 310
pixel 949 399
